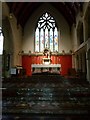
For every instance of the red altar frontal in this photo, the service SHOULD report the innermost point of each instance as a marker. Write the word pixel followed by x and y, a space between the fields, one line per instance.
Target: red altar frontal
pixel 65 62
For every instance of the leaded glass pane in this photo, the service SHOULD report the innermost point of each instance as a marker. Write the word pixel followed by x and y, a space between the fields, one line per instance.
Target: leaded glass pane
pixel 46 37
pixel 37 40
pixel 55 39
pixel 46 15
pixel 51 40
pixel 41 40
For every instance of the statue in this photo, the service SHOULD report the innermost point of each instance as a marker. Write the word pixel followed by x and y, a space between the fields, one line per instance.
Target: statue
pixel 47 54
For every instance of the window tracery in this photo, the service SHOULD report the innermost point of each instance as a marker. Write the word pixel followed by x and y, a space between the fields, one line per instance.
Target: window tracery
pixel 46 34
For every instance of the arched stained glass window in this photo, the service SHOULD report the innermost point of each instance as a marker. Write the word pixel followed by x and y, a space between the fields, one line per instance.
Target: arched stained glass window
pixel 46 33
pixel 1 41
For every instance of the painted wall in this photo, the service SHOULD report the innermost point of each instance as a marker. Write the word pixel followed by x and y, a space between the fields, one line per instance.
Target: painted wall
pixel 64 60
pixel 64 31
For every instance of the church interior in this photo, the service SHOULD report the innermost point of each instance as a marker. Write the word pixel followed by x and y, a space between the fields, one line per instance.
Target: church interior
pixel 45 51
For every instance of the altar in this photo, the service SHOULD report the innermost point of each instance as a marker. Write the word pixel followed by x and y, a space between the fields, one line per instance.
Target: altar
pixel 45 67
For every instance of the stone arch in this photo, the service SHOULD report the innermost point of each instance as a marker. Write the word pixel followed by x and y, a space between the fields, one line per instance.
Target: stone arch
pixel 80 35
pixel 87 23
pixel 8 46
pixel 8 41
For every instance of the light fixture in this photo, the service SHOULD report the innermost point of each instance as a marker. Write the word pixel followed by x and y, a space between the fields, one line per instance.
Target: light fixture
pixel 10 15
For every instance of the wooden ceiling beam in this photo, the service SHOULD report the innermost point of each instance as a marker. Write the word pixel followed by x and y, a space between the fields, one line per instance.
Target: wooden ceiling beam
pixel 71 10
pixel 71 7
pixel 19 8
pixel 14 6
pixel 31 9
pixel 68 13
pixel 23 10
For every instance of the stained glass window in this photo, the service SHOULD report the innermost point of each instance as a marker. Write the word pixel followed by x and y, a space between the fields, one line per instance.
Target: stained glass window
pixel 1 41
pixel 41 40
pixel 51 39
pixel 37 40
pixel 46 33
pixel 55 39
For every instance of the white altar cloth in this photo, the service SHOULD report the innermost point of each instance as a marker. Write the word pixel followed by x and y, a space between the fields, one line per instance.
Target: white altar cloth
pixel 46 66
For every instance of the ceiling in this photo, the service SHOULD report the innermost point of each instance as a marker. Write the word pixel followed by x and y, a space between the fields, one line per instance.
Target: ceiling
pixel 23 10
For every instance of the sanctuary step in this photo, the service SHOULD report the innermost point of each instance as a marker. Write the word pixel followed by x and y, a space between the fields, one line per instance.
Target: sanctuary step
pixel 44 97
